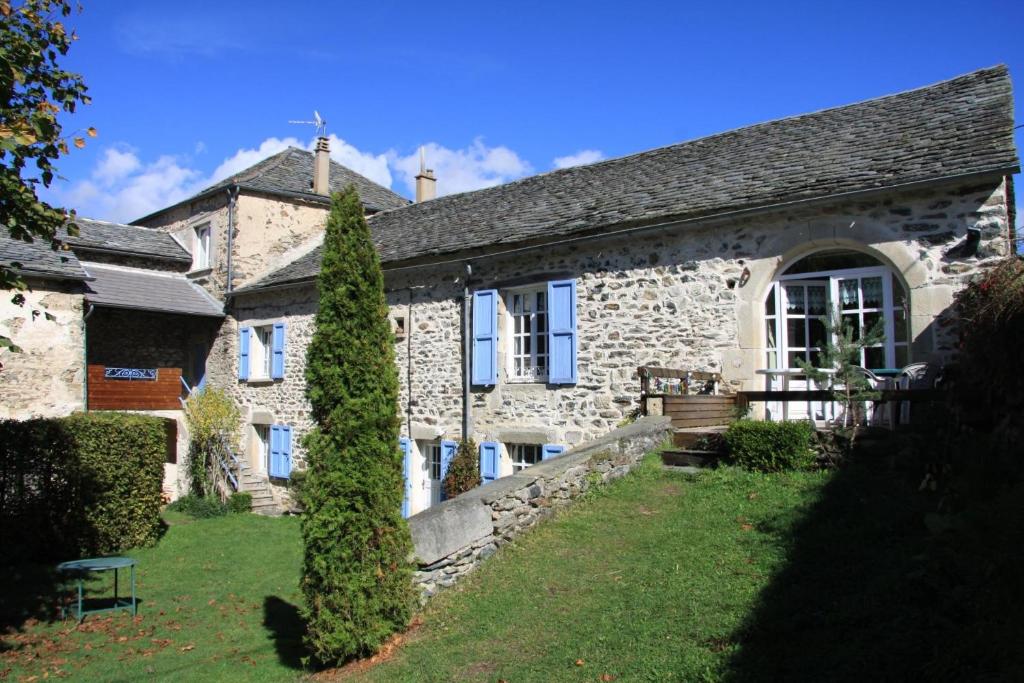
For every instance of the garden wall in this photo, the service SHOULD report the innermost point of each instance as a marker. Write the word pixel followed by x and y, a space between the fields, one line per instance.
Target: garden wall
pixel 452 538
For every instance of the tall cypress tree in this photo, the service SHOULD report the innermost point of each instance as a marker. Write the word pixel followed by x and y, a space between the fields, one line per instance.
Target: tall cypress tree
pixel 355 576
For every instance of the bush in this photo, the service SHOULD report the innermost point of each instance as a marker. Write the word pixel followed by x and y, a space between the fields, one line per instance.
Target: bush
pixel 770 446
pixel 212 416
pixel 240 501
pixel 199 507
pixel 87 484
pixel 464 470
pixel 356 575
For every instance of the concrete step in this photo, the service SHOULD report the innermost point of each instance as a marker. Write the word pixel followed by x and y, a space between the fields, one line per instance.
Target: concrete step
pixel 681 457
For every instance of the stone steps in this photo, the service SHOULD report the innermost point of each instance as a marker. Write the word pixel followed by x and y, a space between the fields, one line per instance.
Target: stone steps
pixel 263 500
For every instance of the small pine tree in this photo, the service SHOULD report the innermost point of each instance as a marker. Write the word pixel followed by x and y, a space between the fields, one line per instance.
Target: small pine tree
pixel 356 578
pixel 841 353
pixel 464 470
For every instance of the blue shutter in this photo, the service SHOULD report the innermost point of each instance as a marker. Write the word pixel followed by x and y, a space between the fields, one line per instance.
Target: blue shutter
pixel 485 337
pixel 447 453
pixel 406 473
pixel 243 352
pixel 550 450
pixel 489 453
pixel 280 451
pixel 562 331
pixel 277 352
pixel 275 450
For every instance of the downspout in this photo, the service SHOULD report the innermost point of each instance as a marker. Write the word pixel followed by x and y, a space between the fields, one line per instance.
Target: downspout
pixel 408 366
pixel 466 370
pixel 232 197
pixel 85 358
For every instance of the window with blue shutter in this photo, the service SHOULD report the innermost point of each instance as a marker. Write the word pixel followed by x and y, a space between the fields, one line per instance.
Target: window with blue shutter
pixel 280 451
pixel 489 454
pixel 485 338
pixel 448 449
pixel 277 352
pixel 244 335
pixel 562 331
pixel 406 447
pixel 550 450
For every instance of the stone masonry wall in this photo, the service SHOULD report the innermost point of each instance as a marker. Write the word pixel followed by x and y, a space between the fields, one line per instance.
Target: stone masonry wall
pixel 689 297
pixel 47 379
pixel 454 537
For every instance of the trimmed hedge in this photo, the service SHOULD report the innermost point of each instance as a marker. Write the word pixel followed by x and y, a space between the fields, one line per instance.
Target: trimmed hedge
pixel 87 484
pixel 770 446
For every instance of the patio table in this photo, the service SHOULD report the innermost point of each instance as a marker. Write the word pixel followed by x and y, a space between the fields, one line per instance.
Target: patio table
pixel 81 568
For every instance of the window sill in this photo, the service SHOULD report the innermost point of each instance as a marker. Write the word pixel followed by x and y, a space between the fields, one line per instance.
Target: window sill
pixel 260 381
pixel 527 383
pixel 199 272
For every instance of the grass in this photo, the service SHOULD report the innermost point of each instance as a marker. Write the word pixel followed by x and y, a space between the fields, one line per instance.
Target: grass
pixel 726 575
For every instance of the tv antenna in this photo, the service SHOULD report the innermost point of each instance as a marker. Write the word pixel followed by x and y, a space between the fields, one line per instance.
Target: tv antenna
pixel 318 122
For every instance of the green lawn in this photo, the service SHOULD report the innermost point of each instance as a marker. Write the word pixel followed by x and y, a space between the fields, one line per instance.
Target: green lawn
pixel 660 576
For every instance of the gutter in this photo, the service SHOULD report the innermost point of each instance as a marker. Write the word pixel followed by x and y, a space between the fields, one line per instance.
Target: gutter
pixel 85 358
pixel 674 222
pixel 466 370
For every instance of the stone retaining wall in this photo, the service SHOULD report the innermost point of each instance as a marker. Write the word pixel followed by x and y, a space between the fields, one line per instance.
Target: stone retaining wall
pixel 452 538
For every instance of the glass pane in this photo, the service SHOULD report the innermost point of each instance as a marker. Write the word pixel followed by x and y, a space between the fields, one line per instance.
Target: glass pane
pixel 817 330
pixel 526 344
pixel 900 325
pixel 795 298
pixel 874 358
pixel 542 323
pixel 815 358
pixel 848 296
pixel 817 302
pixel 872 292
pixel 517 304
pixel 795 335
pixel 851 322
pixel 902 356
pixel 769 333
pixel 899 297
pixel 769 304
pixel 872 319
pixel 540 301
pixel 792 357
pixel 771 359
pixel 542 342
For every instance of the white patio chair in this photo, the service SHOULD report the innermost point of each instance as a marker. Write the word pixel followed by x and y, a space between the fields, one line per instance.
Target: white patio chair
pixel 915 376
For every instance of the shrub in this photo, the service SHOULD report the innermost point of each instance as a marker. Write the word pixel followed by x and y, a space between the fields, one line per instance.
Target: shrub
pixel 240 501
pixel 464 470
pixel 212 417
pixel 356 576
pixel 86 484
pixel 199 507
pixel 770 446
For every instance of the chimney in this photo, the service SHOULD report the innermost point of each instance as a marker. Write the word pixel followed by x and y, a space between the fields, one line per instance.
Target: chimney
pixel 426 181
pixel 322 167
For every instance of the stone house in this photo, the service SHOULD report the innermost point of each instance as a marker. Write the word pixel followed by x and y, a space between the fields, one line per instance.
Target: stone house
pixel 521 312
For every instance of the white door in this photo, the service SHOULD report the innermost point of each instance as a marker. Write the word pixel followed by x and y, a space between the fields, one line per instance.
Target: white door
pixel 432 482
pixel 262 448
pixel 803 313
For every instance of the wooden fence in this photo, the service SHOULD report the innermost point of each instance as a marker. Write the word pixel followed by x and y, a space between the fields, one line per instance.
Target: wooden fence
pixel 133 389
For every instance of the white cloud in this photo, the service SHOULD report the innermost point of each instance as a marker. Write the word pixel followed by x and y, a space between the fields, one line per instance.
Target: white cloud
pixel 122 186
pixel 114 166
pixel 461 170
pixel 584 156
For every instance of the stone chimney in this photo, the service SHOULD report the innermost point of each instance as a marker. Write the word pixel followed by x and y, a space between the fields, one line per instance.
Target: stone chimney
pixel 426 181
pixel 322 167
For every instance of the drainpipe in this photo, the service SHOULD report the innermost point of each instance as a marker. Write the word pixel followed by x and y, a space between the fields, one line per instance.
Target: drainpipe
pixel 232 197
pixel 466 370
pixel 85 358
pixel 408 366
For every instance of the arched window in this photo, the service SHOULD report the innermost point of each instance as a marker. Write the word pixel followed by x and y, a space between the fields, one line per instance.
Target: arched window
pixel 856 286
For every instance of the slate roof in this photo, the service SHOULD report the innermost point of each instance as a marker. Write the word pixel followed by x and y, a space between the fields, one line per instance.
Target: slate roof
pixel 291 172
pixel 957 127
pixel 38 259
pixel 127 239
pixel 148 290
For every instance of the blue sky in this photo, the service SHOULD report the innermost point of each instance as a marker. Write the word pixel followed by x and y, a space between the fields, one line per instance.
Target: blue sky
pixel 187 92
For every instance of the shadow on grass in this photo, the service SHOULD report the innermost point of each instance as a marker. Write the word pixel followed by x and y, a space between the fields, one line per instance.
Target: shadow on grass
pixel 870 593
pixel 285 624
pixel 30 592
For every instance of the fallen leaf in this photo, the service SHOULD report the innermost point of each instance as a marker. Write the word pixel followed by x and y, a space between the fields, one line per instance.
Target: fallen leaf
pixel 79 142
pixel 747 527
pixel 606 677
pixel 752 495
pixel 579 662
pixel 188 648
pixel 91 132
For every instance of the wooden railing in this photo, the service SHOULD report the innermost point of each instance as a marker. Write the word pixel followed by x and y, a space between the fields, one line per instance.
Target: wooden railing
pixel 134 388
pixel 690 397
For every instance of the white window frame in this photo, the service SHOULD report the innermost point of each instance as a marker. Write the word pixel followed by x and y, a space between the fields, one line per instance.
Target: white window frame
pixel 522 453
pixel 202 238
pixel 433 460
pixel 535 366
pixel 778 356
pixel 261 345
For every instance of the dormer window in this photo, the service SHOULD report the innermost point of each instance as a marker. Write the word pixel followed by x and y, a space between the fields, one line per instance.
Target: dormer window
pixel 201 247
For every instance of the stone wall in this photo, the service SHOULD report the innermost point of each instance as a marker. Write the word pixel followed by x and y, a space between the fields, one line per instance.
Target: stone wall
pixel 454 537
pixel 688 296
pixel 47 379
